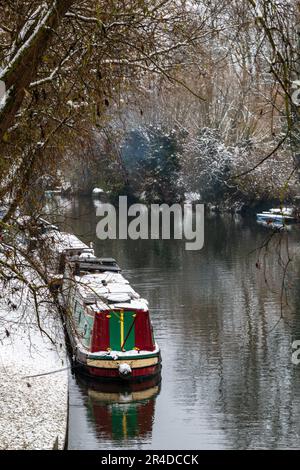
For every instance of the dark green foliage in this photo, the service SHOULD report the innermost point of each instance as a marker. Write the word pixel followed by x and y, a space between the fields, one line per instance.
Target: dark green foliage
pixel 152 158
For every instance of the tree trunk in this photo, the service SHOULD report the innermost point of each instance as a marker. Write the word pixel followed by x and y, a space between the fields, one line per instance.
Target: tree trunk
pixel 22 68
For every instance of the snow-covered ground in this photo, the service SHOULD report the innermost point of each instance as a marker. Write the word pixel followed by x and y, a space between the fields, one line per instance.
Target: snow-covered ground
pixel 33 410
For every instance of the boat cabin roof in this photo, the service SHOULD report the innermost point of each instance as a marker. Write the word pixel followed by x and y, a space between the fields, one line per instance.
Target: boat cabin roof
pixel 99 282
pixel 108 290
pixel 66 242
pixel 87 262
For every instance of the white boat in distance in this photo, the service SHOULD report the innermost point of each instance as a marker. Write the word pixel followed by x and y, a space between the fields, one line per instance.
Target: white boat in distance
pixel 283 215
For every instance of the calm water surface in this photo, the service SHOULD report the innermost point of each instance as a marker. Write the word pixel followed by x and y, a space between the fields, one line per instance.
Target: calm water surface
pixel 227 378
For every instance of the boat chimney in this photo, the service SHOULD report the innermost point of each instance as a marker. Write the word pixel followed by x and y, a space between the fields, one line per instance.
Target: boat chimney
pixel 77 268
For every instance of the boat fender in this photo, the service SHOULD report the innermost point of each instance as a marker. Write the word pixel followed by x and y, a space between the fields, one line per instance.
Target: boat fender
pixel 125 370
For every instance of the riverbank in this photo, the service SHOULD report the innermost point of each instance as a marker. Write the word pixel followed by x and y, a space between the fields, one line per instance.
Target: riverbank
pixel 33 399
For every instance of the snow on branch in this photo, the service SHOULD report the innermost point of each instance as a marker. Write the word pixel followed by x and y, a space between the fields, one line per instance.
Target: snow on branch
pixel 28 43
pixel 54 72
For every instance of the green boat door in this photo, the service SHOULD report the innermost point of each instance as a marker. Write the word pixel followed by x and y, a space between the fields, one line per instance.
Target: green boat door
pixel 121 328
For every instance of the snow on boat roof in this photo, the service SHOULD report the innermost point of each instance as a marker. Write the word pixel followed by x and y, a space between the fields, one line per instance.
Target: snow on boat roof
pixel 108 290
pixel 274 215
pixel 282 210
pixel 64 241
pixel 100 291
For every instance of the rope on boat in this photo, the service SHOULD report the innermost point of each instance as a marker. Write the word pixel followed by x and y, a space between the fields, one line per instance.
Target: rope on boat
pixel 48 373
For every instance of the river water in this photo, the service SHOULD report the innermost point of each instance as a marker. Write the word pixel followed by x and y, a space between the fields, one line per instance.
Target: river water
pixel 228 381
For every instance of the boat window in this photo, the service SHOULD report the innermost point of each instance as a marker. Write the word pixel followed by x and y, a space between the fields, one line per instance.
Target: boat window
pixel 85 328
pixel 78 312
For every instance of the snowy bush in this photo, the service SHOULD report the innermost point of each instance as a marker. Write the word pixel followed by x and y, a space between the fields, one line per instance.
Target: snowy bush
pixel 152 156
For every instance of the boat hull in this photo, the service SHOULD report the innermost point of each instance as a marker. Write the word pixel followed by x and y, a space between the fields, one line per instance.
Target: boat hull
pixel 108 370
pixel 103 368
pixel 275 218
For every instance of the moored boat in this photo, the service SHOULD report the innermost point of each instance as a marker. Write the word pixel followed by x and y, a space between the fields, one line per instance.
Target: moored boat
pixel 107 322
pixel 276 225
pixel 284 215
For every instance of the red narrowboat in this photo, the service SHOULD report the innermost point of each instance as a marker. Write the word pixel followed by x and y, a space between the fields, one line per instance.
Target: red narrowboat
pixel 108 323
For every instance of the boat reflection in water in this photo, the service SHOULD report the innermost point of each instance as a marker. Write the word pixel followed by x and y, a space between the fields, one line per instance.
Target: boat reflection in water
pixel 122 413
